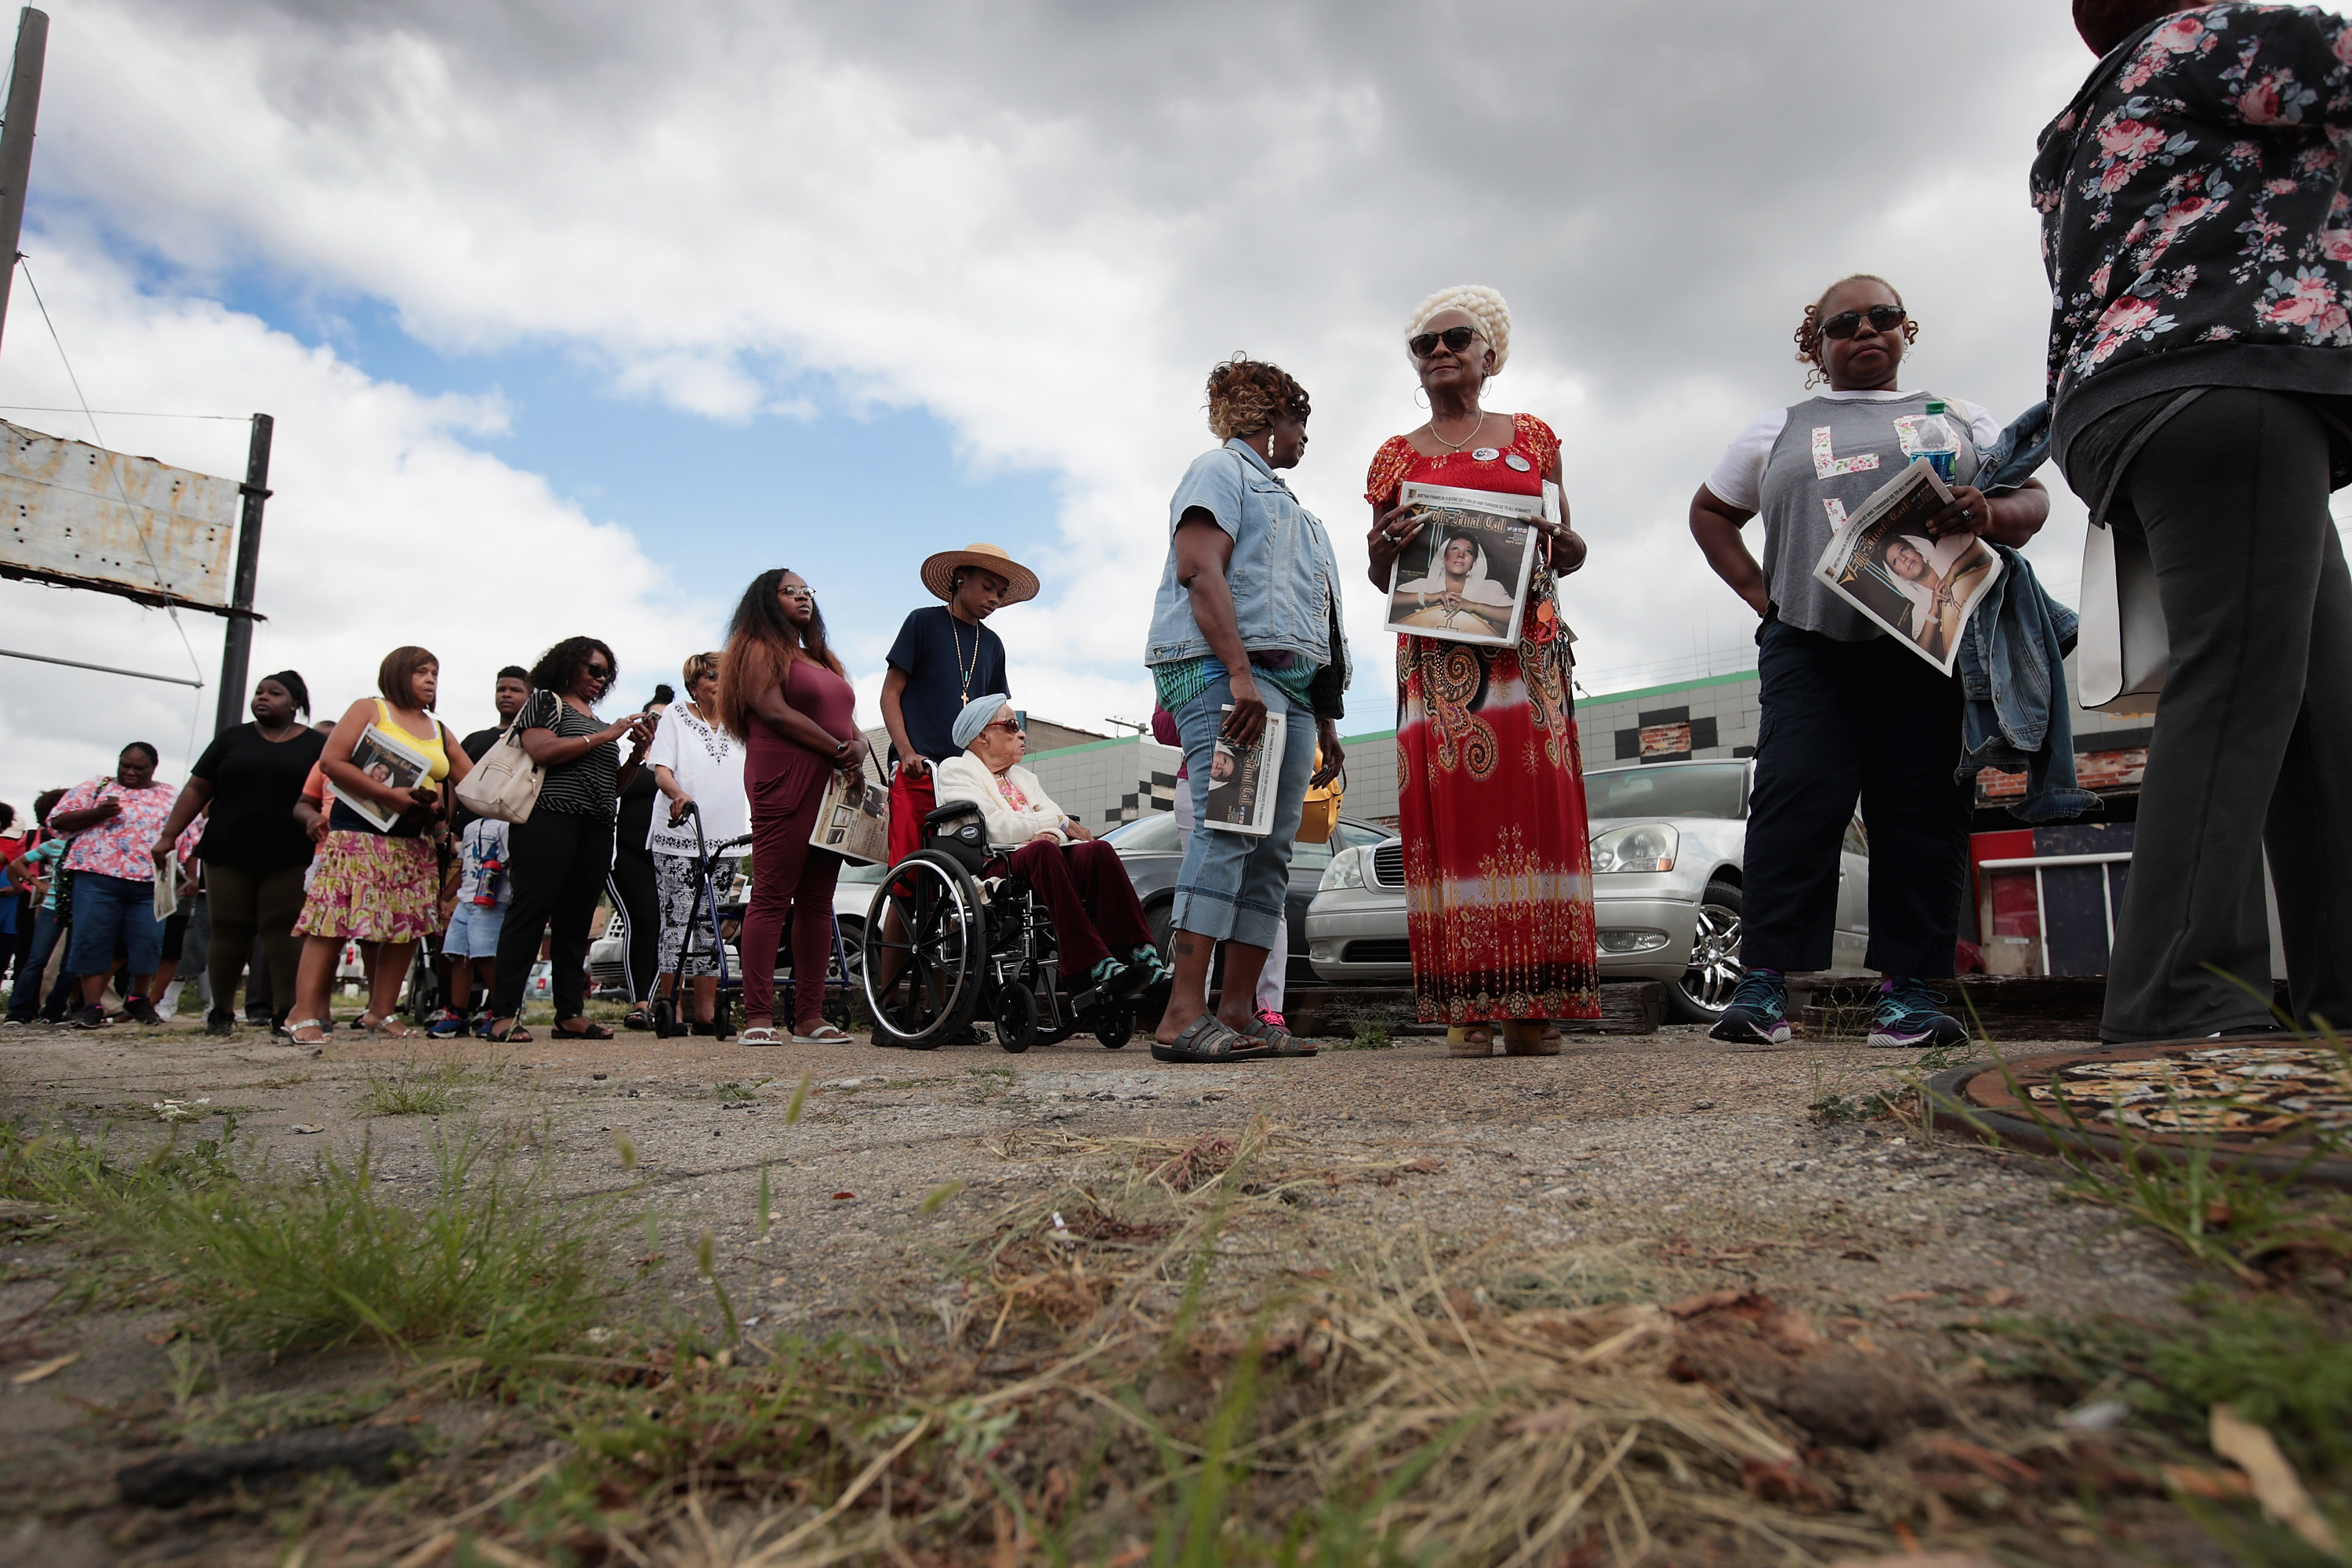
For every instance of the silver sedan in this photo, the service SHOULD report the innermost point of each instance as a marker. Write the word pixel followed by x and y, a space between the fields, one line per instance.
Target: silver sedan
pixel 1668 841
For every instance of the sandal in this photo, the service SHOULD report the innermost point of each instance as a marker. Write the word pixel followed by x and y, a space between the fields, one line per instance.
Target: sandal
pixel 1459 1043
pixel 763 1034
pixel 388 1026
pixel 822 1035
pixel 294 1031
pixel 589 1030
pixel 639 1019
pixel 1530 1037
pixel 514 1032
pixel 1284 1043
pixel 1205 1039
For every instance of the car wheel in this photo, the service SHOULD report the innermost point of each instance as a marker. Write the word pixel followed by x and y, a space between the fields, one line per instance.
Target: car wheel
pixel 1705 987
pixel 1160 915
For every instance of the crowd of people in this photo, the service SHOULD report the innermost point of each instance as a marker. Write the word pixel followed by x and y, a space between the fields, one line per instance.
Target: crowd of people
pixel 2201 382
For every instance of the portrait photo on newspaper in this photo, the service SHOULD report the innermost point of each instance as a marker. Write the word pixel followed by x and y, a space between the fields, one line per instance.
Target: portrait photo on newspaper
pixel 1919 589
pixel 1463 577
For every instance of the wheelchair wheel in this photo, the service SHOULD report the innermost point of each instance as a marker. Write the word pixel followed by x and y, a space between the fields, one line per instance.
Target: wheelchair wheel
pixel 926 931
pixel 1114 1027
pixel 1016 1017
pixel 722 1018
pixel 666 1019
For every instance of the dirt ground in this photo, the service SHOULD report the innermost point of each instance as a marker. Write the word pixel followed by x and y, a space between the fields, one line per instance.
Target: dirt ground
pixel 1700 1167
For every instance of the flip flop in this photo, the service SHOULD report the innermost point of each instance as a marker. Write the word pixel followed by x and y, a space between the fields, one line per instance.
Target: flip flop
pixel 1205 1039
pixel 760 1035
pixel 593 1031
pixel 513 1033
pixel 822 1035
pixel 1284 1043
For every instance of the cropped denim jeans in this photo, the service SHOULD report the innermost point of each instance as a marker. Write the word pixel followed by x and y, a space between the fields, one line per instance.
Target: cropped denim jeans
pixel 1233 886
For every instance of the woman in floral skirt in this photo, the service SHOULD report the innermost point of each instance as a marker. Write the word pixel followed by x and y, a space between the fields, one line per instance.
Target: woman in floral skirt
pixel 1490 791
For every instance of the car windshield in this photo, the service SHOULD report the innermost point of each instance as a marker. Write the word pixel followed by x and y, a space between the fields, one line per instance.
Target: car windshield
pixel 1700 790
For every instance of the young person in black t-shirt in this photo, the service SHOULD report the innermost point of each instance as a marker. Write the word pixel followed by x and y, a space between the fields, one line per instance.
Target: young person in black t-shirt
pixel 943 659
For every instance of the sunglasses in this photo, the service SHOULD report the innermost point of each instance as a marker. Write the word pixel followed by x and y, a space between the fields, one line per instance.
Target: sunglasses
pixel 1846 323
pixel 1011 727
pixel 1424 344
pixel 600 672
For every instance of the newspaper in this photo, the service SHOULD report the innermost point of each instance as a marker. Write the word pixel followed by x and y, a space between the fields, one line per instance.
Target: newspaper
pixel 167 886
pixel 1243 781
pixel 854 820
pixel 390 759
pixel 1919 589
pixel 1463 577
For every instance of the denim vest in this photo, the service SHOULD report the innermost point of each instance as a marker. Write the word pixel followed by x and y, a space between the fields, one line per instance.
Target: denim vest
pixel 1284 579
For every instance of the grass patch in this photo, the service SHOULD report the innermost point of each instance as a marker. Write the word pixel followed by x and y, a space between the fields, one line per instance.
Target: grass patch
pixel 1366 1038
pixel 418 1089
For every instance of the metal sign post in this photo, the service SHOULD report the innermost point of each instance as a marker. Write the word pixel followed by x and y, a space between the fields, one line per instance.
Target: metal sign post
pixel 237 647
pixel 16 139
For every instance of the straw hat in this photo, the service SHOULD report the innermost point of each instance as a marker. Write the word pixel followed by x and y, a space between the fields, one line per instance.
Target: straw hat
pixel 939 568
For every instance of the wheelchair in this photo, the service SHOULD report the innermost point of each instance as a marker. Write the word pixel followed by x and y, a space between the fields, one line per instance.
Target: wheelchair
pixel 973 943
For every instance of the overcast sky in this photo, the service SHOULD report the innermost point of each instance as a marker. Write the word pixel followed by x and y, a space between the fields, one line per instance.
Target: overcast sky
pixel 574 316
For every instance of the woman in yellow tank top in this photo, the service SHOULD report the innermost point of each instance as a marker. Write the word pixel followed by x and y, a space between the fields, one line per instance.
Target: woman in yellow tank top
pixel 376 879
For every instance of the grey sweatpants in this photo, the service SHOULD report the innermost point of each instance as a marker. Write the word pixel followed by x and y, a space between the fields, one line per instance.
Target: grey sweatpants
pixel 2253 745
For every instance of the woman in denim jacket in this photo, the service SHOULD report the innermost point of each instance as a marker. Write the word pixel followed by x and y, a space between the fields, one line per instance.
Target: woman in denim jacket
pixel 1247 617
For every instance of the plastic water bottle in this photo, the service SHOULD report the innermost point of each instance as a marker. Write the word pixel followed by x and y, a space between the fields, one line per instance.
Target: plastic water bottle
pixel 1934 438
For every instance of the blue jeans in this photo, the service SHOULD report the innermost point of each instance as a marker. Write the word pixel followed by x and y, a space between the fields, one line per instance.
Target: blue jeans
pixel 1233 886
pixel 106 908
pixel 24 996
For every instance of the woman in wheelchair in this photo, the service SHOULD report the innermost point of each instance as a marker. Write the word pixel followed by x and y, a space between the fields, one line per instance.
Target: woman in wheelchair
pixel 1097 920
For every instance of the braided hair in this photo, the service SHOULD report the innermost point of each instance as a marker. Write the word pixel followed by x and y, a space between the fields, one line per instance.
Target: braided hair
pixel 1808 335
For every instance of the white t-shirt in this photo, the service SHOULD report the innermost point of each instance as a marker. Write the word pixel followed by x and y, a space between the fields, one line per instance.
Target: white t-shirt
pixel 1738 475
pixel 707 762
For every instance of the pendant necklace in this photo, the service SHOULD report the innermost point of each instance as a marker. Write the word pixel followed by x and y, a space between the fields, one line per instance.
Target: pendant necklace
pixel 964 672
pixel 1476 425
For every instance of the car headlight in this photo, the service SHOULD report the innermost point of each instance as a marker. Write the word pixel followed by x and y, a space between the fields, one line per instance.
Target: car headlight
pixel 1647 847
pixel 1345 870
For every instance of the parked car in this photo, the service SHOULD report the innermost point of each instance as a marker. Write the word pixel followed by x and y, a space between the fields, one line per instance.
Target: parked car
pixel 1148 847
pixel 1668 842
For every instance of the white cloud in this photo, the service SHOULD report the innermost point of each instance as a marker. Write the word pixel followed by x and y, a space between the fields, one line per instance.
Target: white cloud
pixel 1042 223
pixel 385 528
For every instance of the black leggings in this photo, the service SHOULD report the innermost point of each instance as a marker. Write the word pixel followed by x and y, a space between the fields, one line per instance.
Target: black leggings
pixel 245 905
pixel 632 885
pixel 560 860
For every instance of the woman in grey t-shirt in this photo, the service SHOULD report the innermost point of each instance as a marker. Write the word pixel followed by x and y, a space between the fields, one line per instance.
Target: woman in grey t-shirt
pixel 1848 711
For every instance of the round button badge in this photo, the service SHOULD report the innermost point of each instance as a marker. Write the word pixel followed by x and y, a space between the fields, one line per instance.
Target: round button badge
pixel 1484 455
pixel 1515 461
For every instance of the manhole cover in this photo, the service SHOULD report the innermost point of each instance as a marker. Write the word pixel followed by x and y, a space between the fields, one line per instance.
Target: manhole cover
pixel 2268 1104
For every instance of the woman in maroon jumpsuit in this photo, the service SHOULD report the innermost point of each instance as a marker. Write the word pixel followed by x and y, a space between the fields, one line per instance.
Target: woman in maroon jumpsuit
pixel 783 694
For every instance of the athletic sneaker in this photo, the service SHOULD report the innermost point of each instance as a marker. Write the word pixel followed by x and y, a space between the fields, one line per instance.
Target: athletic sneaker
pixel 220 1021
pixel 1759 1013
pixel 1910 1016
pixel 445 1024
pixel 140 1010
pixel 86 1018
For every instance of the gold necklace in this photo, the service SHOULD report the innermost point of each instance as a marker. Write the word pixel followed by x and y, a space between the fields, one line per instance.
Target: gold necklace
pixel 1476 424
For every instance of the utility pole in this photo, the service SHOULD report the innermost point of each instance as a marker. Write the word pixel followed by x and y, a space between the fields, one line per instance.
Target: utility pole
pixel 16 140
pixel 237 647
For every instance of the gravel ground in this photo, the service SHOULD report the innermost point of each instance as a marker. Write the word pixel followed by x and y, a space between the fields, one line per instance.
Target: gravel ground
pixel 1703 1165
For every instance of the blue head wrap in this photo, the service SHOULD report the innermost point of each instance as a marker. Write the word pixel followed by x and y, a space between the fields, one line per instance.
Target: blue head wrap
pixel 975 717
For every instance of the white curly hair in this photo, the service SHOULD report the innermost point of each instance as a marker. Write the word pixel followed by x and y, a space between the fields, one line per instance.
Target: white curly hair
pixel 1482 305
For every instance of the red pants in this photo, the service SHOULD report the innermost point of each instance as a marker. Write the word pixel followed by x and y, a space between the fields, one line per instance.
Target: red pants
pixel 788 875
pixel 910 799
pixel 1087 897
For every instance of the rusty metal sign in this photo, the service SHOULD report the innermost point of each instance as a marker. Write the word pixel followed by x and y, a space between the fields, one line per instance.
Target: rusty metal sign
pixel 83 517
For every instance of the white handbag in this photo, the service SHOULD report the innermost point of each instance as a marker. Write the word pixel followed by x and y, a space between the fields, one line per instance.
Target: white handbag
pixel 2121 646
pixel 504 786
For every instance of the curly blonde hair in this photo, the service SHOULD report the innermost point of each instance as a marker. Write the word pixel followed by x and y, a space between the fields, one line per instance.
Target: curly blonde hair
pixel 1482 305
pixel 1246 395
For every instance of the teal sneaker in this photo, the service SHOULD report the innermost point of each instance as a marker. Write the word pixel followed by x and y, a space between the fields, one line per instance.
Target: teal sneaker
pixel 1912 1018
pixel 1759 1013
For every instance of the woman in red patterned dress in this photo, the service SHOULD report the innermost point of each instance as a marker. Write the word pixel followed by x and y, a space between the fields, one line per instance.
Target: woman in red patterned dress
pixel 1490 790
